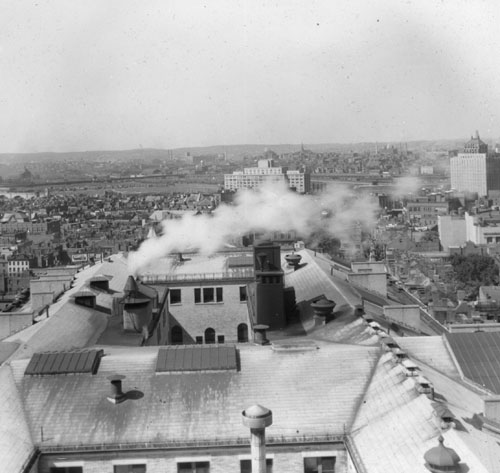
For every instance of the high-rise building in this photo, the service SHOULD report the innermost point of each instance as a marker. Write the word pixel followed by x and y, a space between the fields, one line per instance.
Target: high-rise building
pixel 473 170
pixel 264 173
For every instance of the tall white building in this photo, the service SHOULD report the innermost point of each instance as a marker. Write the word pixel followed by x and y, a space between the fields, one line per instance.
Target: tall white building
pixel 265 173
pixel 473 170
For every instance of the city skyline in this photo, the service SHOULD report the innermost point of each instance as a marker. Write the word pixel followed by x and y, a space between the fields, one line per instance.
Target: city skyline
pixel 124 75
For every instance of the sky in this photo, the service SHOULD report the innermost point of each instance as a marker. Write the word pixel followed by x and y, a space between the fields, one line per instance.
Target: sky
pixel 119 74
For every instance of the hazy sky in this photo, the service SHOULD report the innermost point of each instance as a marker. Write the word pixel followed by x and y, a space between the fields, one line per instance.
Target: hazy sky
pixel 96 74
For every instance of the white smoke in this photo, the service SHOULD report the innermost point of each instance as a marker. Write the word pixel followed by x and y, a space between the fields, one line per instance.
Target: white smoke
pixel 270 208
pixel 406 185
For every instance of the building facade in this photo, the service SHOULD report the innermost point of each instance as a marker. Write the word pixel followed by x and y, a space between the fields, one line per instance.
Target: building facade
pixel 267 173
pixel 473 170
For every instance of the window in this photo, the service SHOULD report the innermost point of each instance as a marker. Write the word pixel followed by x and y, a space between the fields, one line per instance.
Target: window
pixel 175 296
pixel 220 338
pixel 246 466
pixel 66 469
pixel 242 333
pixel 243 293
pixel 129 469
pixel 193 467
pixel 208 295
pixel 319 465
pixel 176 337
pixel 199 340
pixel 209 335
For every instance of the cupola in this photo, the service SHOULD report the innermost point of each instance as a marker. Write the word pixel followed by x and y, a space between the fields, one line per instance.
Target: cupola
pixel 442 459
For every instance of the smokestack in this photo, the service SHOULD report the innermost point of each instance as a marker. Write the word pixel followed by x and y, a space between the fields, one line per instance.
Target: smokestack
pixel 257 418
pixel 116 396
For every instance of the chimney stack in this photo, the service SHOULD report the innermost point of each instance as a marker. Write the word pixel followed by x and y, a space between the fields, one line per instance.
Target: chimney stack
pixel 257 418
pixel 116 396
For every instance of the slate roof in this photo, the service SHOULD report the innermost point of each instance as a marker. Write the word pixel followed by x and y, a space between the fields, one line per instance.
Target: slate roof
pixel 311 281
pixel 198 406
pixel 71 326
pixel 16 445
pixel 394 424
pixel 430 350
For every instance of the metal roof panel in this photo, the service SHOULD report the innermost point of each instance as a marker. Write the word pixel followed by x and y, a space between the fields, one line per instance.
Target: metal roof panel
pixel 64 362
pixel 196 358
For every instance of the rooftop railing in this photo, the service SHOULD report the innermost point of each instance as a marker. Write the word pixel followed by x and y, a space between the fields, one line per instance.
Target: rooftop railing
pixel 176 444
pixel 237 273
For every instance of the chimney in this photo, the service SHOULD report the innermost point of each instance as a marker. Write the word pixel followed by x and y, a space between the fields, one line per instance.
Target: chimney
pixel 260 334
pixel 269 286
pixel 257 418
pixel 116 396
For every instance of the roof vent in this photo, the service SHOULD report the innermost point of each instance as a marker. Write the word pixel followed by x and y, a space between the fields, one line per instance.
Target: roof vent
pixel 293 260
pixel 260 337
pixel 441 458
pixel 410 368
pixel 85 298
pixel 389 343
pixel 444 416
pixel 322 308
pixel 117 395
pixel 425 387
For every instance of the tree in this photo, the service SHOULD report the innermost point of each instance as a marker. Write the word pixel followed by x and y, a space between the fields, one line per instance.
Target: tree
pixel 324 242
pixel 475 270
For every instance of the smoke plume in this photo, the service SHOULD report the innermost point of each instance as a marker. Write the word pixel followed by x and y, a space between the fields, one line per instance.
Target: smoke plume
pixel 269 208
pixel 406 185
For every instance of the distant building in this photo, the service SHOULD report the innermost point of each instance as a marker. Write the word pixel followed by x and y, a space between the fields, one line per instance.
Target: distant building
pixel 483 228
pixel 265 173
pixel 473 170
pixel 17 265
pixel 451 230
pixel 424 211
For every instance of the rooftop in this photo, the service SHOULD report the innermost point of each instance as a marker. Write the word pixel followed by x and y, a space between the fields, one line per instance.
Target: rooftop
pixel 199 405
pixel 478 356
